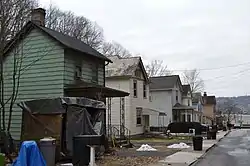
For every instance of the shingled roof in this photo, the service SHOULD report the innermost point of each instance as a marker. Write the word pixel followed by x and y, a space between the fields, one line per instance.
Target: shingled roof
pixel 163 82
pixel 124 67
pixel 65 40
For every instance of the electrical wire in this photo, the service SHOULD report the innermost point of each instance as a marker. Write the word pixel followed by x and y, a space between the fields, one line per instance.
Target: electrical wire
pixel 216 68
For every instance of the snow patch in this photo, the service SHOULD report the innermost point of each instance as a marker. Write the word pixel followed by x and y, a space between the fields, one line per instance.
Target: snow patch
pixel 146 147
pixel 179 146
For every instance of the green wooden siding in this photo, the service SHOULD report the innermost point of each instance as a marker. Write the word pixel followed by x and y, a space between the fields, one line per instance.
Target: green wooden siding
pixel 72 59
pixel 43 60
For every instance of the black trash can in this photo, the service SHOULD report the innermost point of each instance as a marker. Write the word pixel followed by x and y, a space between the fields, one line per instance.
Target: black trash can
pixel 224 128
pixel 213 134
pixel 81 152
pixel 197 143
pixel 209 135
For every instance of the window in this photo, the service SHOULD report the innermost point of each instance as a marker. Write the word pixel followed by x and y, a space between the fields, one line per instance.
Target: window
pixel 138 73
pixel 138 116
pixel 94 73
pixel 78 72
pixel 188 102
pixel 188 118
pixel 177 97
pixel 135 88
pixel 144 90
pixel 150 97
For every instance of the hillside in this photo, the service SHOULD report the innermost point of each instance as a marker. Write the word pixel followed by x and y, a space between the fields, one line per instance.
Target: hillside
pixel 242 102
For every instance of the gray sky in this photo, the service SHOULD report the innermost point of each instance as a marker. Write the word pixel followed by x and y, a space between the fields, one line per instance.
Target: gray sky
pixel 186 34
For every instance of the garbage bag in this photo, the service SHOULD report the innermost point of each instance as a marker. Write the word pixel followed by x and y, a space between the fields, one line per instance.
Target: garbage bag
pixel 29 155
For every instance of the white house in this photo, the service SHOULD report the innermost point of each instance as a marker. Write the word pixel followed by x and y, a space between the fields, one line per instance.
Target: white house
pixel 171 97
pixel 133 111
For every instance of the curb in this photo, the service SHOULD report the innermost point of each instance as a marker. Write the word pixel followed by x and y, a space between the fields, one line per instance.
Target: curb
pixel 206 151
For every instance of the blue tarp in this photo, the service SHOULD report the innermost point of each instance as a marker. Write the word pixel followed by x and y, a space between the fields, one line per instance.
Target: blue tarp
pixel 29 155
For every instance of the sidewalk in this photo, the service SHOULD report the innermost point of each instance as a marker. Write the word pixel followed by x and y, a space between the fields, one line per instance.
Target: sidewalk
pixel 188 156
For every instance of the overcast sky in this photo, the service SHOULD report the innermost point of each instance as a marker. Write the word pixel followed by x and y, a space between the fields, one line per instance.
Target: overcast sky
pixel 186 34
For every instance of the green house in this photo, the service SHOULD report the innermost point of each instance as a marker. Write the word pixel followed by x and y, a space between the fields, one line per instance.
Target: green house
pixel 50 64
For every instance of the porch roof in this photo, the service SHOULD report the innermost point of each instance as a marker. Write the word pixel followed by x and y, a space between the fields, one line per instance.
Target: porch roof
pixel 179 106
pixel 81 87
pixel 151 111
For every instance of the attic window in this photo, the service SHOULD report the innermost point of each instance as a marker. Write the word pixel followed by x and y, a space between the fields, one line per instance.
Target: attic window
pixel 138 73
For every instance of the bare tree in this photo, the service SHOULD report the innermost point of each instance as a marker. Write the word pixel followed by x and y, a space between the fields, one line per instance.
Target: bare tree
pixel 114 49
pixel 76 26
pixel 14 14
pixel 192 77
pixel 157 68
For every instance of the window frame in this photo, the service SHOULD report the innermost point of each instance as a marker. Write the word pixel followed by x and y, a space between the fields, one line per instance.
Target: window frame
pixel 94 73
pixel 144 90
pixel 177 96
pixel 138 116
pixel 135 89
pixel 78 68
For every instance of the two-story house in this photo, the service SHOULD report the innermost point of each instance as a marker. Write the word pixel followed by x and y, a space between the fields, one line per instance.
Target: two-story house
pixel 169 95
pixel 129 75
pixel 209 109
pixel 49 64
pixel 197 104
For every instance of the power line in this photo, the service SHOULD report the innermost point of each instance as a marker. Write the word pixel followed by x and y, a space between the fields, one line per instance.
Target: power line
pixel 233 74
pixel 216 68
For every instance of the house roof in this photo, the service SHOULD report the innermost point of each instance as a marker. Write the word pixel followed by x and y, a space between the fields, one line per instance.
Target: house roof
pixel 209 99
pixel 186 89
pixel 179 106
pixel 163 82
pixel 65 40
pixel 124 66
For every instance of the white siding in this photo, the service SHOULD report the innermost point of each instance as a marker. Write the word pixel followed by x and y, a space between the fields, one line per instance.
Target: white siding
pixel 139 101
pixel 131 103
pixel 162 101
pixel 123 85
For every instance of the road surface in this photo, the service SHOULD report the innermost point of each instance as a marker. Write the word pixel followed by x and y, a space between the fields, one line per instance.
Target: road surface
pixel 233 150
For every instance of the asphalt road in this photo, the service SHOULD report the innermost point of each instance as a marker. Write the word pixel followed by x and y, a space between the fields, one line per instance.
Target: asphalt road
pixel 233 150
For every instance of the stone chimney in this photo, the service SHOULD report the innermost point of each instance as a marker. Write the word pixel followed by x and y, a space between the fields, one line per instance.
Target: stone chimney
pixel 38 16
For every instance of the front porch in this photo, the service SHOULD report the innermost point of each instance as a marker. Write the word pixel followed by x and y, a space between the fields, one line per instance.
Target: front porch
pixel 154 120
pixel 104 94
pixel 182 113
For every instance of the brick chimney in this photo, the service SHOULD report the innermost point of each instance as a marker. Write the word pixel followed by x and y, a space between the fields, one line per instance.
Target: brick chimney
pixel 38 16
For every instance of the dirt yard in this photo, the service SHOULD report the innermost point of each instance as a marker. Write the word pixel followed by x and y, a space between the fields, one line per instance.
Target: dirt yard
pixel 131 157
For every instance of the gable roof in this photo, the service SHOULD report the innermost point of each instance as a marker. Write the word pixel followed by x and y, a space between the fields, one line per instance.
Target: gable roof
pixel 164 82
pixel 186 89
pixel 124 67
pixel 65 40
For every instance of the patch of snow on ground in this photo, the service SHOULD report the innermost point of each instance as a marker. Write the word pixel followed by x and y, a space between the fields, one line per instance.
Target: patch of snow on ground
pixel 146 147
pixel 179 146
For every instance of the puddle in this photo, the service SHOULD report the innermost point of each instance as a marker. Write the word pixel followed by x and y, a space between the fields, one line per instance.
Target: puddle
pixel 239 152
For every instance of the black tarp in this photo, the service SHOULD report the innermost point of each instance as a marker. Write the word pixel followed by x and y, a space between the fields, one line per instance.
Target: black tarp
pixel 83 116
